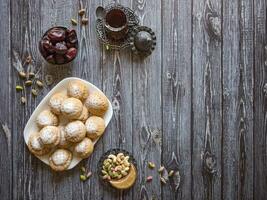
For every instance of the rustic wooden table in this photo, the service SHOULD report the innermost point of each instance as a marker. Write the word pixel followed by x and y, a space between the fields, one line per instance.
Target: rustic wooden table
pixel 197 105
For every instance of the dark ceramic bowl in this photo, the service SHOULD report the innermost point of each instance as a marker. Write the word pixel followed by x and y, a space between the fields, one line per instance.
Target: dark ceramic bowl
pixel 59 50
pixel 105 156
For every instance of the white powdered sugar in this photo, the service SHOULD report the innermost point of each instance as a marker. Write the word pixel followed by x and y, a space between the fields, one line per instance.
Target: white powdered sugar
pixel 81 147
pixel 59 157
pixel 46 118
pixel 69 107
pixel 48 135
pixel 74 128
pixel 35 143
pixel 91 127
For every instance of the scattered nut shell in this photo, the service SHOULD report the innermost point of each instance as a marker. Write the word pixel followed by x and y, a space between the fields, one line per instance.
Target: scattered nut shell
pixel 151 165
pixel 74 22
pixel 23 100
pixel 34 92
pixel 149 178
pixel 83 177
pixel 84 21
pixel 19 88
pixel 160 170
pixel 28 83
pixel 81 12
pixel 31 75
pixel 39 83
pixel 171 173
pixel 22 74
pixel 162 180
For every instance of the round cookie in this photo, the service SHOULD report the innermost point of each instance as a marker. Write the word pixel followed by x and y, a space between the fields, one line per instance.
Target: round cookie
pixel 75 131
pixel 46 118
pixel 50 136
pixel 84 115
pixel 63 143
pixel 97 103
pixel 95 127
pixel 35 145
pixel 84 148
pixel 56 101
pixel 60 159
pixel 71 108
pixel 78 90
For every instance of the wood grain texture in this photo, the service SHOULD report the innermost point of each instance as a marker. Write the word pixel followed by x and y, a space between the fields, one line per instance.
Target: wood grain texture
pixel 176 96
pixel 197 105
pixel 238 97
pixel 260 100
pixel 207 100
pixel 147 112
pixel 6 95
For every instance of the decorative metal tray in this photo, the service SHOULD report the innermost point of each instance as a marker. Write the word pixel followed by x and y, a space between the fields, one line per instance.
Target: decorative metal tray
pixel 133 21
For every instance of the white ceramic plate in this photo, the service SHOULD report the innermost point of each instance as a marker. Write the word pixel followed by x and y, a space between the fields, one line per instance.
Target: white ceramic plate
pixel 31 126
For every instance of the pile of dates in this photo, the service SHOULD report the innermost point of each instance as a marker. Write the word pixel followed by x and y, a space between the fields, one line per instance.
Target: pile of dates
pixel 59 45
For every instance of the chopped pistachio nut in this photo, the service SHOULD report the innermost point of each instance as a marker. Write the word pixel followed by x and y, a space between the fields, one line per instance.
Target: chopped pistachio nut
pixel 151 165
pixel 162 180
pixel 23 100
pixel 39 83
pixel 22 74
pixel 83 177
pixel 160 170
pixel 28 83
pixel 74 22
pixel 31 75
pixel 19 88
pixel 83 170
pixel 34 92
pixel 171 173
pixel 81 12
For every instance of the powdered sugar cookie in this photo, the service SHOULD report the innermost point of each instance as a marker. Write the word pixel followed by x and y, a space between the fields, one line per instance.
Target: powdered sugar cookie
pixel 46 118
pixel 84 148
pixel 56 101
pixel 97 103
pixel 71 108
pixel 95 127
pixel 75 131
pixel 60 159
pixel 77 89
pixel 50 136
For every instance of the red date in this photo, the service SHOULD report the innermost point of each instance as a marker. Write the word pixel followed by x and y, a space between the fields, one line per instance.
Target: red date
pixel 59 45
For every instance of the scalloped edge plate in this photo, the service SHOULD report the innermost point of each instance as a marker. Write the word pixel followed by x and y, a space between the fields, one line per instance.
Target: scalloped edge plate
pixel 31 125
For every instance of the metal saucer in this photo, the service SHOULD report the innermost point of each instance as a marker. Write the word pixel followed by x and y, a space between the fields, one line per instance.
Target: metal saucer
pixel 142 41
pixel 133 21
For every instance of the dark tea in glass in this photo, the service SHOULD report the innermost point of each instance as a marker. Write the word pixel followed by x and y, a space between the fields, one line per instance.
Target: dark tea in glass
pixel 116 24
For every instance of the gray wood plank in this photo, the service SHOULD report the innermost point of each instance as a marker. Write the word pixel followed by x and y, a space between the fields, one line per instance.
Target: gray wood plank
pixel 238 100
pixel 260 100
pixel 26 171
pixel 6 96
pixel 176 96
pixel 147 111
pixel 207 100
pixel 117 84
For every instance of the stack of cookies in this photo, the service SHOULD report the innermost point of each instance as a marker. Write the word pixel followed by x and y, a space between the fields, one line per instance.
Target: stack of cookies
pixel 70 126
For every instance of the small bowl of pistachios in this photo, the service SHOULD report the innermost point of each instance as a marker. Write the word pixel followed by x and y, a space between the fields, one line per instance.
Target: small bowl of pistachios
pixel 117 168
